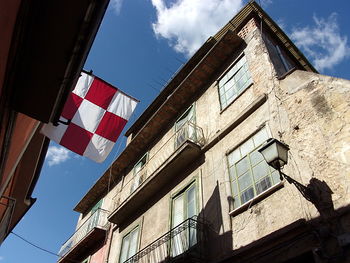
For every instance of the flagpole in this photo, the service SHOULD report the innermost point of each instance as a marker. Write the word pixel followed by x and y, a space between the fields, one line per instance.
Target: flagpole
pixel 127 95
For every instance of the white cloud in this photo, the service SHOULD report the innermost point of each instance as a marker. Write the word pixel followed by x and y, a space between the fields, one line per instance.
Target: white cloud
pixel 322 42
pixel 116 6
pixel 265 3
pixel 188 23
pixel 57 155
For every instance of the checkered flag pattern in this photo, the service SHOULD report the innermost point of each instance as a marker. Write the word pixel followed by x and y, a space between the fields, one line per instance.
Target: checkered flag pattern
pixel 97 112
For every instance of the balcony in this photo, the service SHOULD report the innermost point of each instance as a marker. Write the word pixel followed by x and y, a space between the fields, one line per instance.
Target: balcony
pixel 183 243
pixel 87 236
pixel 168 161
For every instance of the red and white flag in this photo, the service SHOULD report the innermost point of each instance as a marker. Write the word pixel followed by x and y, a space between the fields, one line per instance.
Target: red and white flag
pixel 96 113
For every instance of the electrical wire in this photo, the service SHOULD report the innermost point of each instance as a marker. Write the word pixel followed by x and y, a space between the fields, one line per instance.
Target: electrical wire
pixel 40 248
pixel 36 246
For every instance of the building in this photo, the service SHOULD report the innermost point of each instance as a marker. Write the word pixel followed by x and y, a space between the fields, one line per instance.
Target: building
pixel 43 47
pixel 191 186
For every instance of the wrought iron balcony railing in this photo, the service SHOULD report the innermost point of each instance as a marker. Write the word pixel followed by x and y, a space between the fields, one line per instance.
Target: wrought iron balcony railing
pixel 184 243
pixel 97 220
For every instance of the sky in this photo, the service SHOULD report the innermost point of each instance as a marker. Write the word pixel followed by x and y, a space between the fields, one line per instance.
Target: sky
pixel 139 46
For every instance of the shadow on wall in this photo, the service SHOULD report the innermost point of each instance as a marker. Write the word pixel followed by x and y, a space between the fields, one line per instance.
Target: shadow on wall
pixel 217 245
pixel 315 240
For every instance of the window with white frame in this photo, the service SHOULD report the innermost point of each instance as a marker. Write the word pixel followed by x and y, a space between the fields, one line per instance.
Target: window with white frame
pixel 184 206
pixel 250 175
pixel 129 245
pixel 235 80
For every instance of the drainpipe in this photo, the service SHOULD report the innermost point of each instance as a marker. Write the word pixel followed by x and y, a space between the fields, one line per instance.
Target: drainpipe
pixel 108 243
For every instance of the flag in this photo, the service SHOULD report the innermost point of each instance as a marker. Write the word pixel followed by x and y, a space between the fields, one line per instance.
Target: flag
pixel 95 113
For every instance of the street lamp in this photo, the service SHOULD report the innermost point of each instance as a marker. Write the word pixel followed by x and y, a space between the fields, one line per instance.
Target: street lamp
pixel 275 153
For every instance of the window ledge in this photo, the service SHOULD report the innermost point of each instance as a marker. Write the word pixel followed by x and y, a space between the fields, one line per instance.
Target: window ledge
pixel 239 95
pixel 284 75
pixel 256 199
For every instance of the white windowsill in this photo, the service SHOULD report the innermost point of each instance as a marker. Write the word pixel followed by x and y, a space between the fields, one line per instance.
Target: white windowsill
pixel 256 199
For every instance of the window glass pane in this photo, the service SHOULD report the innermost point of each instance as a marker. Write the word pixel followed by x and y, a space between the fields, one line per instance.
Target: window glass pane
pixel 234 157
pixel 234 188
pixel 223 100
pixel 247 147
pixel 242 166
pixel 256 157
pixel 230 94
pixel 263 185
pixel 230 84
pixel 250 175
pixel 178 210
pixel 223 80
pixel 125 248
pixel 275 177
pixel 140 164
pixel 260 170
pixel 235 80
pixel 236 202
pixel 230 73
pixel 233 70
pixel 187 116
pixel 240 84
pixel 245 80
pixel 245 181
pixel 260 137
pixel 133 242
pixel 247 195
pixel 245 66
pixel 232 172
pixel 191 199
pixel 229 100
pixel 239 74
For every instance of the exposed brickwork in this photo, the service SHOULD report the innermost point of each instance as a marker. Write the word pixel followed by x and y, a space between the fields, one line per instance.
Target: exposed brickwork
pixel 249 27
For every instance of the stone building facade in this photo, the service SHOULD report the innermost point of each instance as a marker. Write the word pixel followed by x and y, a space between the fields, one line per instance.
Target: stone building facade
pixel 191 186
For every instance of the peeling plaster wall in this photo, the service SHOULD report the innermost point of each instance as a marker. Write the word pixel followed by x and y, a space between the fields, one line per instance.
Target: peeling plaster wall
pixel 308 111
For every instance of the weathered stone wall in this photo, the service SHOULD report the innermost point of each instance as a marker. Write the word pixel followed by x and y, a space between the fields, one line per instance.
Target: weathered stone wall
pixel 308 111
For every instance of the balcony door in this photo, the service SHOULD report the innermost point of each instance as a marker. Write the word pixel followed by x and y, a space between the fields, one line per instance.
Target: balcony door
pixel 129 245
pixel 93 221
pixel 184 206
pixel 138 176
pixel 184 127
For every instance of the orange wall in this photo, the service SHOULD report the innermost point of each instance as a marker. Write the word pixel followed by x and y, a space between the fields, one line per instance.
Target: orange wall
pixel 23 130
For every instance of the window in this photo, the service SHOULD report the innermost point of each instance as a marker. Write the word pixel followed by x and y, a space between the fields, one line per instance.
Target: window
pixel 184 206
pixel 287 66
pixel 129 245
pixel 249 173
pixel 138 175
pixel 94 215
pixel 234 82
pixel 183 130
pixel 279 58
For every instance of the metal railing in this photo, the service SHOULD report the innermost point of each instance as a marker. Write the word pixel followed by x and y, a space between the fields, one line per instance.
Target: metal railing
pixel 185 241
pixel 97 219
pixel 188 132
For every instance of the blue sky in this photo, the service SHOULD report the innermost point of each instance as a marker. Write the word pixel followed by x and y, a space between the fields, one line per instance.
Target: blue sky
pixel 140 44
